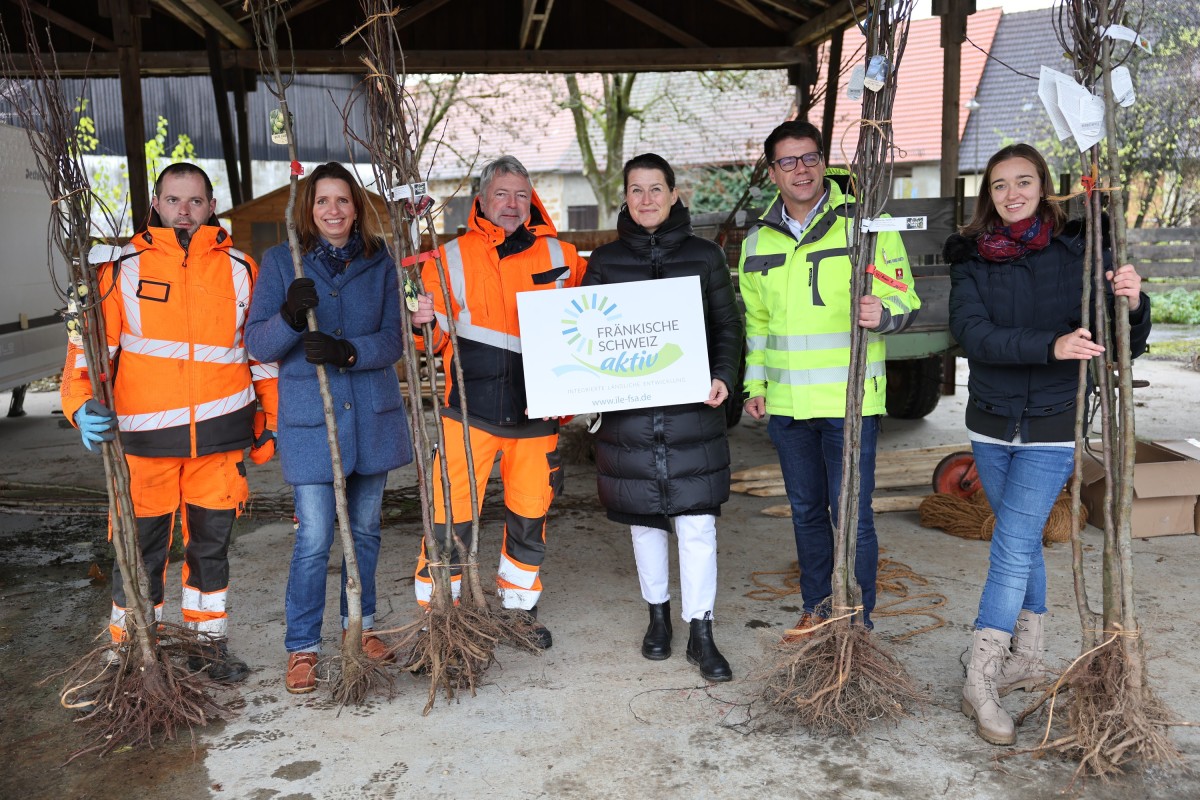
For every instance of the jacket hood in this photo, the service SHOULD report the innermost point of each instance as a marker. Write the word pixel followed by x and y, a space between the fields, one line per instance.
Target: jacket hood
pixel 207 237
pixel 538 224
pixel 676 228
pixel 959 248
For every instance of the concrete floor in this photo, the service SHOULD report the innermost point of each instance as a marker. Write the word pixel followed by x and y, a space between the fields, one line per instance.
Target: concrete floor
pixel 589 718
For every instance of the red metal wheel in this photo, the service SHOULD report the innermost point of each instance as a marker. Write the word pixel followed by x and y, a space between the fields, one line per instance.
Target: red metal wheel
pixel 955 474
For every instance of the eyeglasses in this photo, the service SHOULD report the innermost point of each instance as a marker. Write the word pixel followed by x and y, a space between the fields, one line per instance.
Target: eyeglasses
pixel 788 163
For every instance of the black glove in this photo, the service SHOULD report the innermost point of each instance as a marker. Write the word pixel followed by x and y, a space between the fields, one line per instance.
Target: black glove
pixel 301 296
pixel 321 348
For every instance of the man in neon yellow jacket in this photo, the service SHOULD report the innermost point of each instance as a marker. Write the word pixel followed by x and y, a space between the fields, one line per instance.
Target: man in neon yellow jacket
pixel 795 281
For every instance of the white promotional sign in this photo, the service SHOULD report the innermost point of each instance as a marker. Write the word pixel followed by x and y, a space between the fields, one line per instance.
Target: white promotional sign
pixel 621 345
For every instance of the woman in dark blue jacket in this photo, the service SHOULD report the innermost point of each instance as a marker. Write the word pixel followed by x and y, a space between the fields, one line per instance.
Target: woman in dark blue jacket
pixel 352 286
pixel 668 467
pixel 1016 280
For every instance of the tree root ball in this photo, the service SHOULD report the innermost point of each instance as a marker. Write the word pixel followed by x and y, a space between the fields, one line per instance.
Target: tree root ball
pixel 454 646
pixel 1112 720
pixel 125 702
pixel 837 680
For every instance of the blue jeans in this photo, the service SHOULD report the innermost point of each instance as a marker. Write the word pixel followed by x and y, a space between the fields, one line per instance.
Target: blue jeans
pixel 810 454
pixel 1022 484
pixel 304 606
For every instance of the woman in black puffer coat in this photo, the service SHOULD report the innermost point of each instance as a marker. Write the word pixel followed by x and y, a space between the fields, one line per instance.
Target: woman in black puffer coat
pixel 668 466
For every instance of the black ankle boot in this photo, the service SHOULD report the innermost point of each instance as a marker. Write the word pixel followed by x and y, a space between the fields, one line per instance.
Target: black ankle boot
pixel 702 652
pixel 656 644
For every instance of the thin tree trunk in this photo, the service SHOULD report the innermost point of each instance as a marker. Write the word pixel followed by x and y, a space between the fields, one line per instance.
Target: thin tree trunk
pixel 266 17
pixel 1124 508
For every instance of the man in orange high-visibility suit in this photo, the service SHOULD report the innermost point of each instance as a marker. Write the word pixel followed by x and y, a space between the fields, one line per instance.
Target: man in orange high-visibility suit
pixel 510 246
pixel 185 395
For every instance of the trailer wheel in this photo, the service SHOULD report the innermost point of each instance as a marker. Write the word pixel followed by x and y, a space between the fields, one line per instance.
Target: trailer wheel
pixel 914 387
pixel 955 474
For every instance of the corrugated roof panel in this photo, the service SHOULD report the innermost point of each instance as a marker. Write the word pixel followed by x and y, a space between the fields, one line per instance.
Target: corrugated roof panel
pixel 187 103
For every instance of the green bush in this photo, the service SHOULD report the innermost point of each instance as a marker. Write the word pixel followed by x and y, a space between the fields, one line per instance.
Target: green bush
pixel 1178 306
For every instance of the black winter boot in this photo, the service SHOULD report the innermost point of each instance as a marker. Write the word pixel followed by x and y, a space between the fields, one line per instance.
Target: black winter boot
pixel 541 634
pixel 222 667
pixel 656 644
pixel 702 651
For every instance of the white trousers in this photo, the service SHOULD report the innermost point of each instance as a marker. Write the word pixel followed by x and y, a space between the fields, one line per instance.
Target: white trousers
pixel 697 537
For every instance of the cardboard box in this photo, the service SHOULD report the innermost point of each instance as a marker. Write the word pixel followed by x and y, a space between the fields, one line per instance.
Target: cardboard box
pixel 1166 486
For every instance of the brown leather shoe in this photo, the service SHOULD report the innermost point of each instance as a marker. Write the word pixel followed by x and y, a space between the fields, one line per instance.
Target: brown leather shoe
pixel 374 647
pixel 804 628
pixel 301 673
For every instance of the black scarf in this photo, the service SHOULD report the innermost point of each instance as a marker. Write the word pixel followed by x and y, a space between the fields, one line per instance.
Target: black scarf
pixel 335 259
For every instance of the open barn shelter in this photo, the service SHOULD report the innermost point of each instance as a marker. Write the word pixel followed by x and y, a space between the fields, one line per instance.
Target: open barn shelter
pixel 133 39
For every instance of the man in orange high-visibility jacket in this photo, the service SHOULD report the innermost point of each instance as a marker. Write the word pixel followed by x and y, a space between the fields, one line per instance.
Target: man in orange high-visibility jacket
pixel 510 246
pixel 185 395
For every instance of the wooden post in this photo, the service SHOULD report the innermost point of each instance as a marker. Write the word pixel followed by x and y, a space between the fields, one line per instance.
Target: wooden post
pixel 832 76
pixel 803 75
pixel 126 34
pixel 241 78
pixel 954 33
pixel 224 122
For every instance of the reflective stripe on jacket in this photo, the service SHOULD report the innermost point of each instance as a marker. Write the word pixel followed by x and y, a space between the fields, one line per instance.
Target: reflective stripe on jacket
pixel 483 287
pixel 174 321
pixel 798 311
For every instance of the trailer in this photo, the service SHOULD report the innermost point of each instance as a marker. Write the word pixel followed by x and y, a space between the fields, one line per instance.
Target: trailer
pixel 33 343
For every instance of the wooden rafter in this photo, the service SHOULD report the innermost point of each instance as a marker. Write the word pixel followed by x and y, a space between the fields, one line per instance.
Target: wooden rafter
pixel 530 15
pixel 657 23
pixel 832 19
pixel 177 10
pixel 749 9
pixel 216 16
pixel 68 24
pixel 297 8
pixel 798 10
pixel 665 59
pixel 301 7
pixel 411 15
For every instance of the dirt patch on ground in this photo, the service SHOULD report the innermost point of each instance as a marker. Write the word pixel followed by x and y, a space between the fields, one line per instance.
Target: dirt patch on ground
pixel 49 609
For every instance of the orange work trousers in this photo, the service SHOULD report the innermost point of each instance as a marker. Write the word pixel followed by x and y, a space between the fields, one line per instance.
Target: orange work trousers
pixel 212 491
pixel 531 473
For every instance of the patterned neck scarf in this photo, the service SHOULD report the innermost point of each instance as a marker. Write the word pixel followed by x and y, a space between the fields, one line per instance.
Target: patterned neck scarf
pixel 1013 241
pixel 335 259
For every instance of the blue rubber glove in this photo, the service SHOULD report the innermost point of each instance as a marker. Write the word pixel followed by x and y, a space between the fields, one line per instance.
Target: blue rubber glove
pixel 96 423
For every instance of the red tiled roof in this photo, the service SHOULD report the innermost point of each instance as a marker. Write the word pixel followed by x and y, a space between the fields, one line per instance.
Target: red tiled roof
pixel 917 112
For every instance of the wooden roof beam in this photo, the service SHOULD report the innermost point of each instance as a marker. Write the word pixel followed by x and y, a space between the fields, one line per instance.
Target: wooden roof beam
pixel 346 61
pixel 749 9
pixel 176 9
pixel 793 8
pixel 827 23
pixel 657 23
pixel 410 15
pixel 216 16
pixel 301 7
pixel 530 15
pixel 297 8
pixel 68 24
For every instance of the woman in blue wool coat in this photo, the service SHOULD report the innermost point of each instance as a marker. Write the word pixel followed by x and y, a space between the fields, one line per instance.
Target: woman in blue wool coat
pixel 352 286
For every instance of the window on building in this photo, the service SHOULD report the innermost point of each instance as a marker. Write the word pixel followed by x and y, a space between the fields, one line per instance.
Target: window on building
pixel 455 214
pixel 583 218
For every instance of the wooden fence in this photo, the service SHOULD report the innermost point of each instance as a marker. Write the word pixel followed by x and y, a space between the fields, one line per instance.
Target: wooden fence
pixel 1165 252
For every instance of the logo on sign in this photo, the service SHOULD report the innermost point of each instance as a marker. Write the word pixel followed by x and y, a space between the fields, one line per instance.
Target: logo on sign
pixel 607 344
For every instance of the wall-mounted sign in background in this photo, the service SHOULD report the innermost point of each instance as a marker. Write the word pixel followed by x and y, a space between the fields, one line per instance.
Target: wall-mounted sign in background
pixel 622 345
